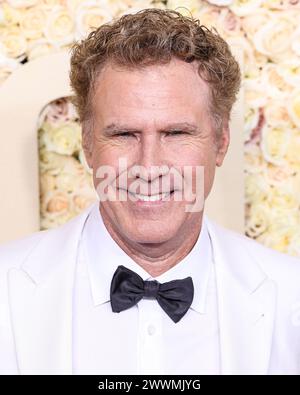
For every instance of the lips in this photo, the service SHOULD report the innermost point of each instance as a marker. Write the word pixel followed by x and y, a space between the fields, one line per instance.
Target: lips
pixel 151 198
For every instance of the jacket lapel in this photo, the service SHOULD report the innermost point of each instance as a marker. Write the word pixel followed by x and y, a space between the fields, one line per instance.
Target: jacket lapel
pixel 246 302
pixel 40 295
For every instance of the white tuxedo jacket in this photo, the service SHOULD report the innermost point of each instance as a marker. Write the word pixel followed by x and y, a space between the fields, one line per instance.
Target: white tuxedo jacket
pixel 258 301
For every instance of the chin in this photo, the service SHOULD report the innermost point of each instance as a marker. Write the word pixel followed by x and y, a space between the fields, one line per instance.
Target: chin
pixel 151 235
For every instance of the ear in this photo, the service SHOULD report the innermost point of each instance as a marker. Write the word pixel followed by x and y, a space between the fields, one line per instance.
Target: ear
pixel 87 137
pixel 223 142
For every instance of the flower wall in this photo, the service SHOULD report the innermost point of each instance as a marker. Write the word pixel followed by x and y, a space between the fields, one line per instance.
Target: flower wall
pixel 268 33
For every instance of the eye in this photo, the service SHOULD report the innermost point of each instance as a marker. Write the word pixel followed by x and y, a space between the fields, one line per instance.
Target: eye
pixel 124 134
pixel 175 133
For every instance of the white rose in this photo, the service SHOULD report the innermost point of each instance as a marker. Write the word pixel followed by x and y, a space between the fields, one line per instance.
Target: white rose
pixel 276 114
pixel 277 85
pixel 60 28
pixel 55 203
pixel 283 197
pixel 258 220
pixel 32 23
pixel 220 3
pixel 274 144
pixel 64 139
pixel 256 188
pixel 273 39
pixel 11 15
pixel 281 4
pixel 296 41
pixel 245 7
pixel 121 7
pixel 208 16
pixel 277 175
pixel 253 22
pixel 293 150
pixel 255 93
pixel 57 112
pixel 47 182
pixel 185 7
pixel 56 164
pixel 294 108
pixel 228 24
pixel 22 3
pixel 254 161
pixel 89 16
pixel 13 43
pixel 289 69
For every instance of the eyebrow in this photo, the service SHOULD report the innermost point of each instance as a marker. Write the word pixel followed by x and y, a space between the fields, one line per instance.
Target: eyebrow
pixel 115 128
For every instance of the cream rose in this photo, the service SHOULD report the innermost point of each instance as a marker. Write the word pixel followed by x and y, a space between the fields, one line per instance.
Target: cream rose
pixel 13 42
pixel 258 220
pixel 90 15
pixel 245 7
pixel 254 161
pixel 294 108
pixel 274 144
pixel 273 78
pixel 255 93
pixel 293 150
pixel 47 183
pixel 283 197
pixel 290 71
pixel 32 23
pixel 64 139
pixel 228 23
pixel 273 39
pixel 276 114
pixel 11 15
pixel 60 27
pixel 185 7
pixel 22 3
pixel 220 3
pixel 256 187
pixel 277 175
pixel 55 203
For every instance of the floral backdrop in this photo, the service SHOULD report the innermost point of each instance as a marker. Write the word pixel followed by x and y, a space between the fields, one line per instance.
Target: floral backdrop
pixel 269 34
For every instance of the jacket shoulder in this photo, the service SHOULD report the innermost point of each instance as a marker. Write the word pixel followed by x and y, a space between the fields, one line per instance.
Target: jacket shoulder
pixel 278 266
pixel 14 253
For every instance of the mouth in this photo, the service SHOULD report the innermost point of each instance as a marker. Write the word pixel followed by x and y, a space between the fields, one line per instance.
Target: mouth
pixel 152 198
pixel 159 197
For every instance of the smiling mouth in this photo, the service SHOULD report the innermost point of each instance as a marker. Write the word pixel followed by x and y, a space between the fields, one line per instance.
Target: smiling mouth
pixel 151 198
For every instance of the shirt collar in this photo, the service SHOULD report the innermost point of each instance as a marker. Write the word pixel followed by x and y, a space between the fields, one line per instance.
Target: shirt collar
pixel 104 256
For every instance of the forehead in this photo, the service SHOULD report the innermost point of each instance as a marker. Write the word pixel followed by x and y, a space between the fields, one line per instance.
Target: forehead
pixel 157 91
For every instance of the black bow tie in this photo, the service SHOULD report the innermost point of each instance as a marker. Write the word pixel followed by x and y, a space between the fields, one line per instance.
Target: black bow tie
pixel 128 288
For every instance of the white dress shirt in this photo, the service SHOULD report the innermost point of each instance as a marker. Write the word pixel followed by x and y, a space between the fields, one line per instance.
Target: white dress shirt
pixel 142 339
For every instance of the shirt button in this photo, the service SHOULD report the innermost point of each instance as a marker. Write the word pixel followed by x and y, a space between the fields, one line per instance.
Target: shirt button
pixel 151 330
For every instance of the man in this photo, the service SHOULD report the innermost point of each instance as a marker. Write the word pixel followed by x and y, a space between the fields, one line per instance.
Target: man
pixel 144 283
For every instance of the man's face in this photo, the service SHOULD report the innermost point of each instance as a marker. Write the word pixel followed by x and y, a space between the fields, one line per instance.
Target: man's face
pixel 158 116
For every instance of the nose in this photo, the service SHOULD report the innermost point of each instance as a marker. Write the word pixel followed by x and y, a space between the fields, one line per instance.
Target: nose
pixel 151 157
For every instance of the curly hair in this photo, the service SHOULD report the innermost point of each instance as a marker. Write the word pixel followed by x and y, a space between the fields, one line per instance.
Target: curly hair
pixel 155 36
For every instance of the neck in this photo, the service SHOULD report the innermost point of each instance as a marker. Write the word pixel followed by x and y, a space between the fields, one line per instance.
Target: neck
pixel 158 258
